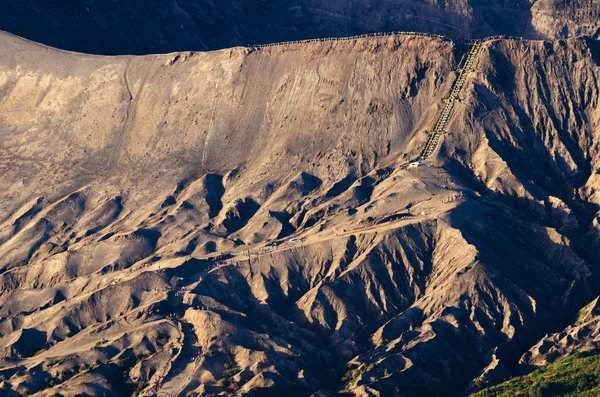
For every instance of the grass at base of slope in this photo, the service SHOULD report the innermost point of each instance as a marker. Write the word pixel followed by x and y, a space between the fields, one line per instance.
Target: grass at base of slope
pixel 576 375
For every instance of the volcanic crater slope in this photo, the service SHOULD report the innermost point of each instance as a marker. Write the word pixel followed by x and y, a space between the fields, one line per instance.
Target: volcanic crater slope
pixel 244 221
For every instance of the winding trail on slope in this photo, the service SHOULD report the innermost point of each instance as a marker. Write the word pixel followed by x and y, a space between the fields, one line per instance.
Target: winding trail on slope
pixel 183 367
pixel 130 112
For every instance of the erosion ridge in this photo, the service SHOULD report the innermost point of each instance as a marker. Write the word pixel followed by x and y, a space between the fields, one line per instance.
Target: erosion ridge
pixel 125 177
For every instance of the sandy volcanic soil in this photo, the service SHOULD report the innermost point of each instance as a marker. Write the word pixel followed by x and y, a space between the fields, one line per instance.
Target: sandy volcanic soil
pixel 148 206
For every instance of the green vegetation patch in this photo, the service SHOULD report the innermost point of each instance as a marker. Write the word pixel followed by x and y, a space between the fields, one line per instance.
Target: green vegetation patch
pixel 581 314
pixel 354 372
pixel 576 375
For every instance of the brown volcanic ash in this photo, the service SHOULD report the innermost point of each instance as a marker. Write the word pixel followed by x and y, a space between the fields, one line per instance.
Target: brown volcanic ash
pixel 121 176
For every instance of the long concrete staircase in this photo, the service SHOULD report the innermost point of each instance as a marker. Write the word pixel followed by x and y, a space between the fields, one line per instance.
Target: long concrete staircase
pixel 439 127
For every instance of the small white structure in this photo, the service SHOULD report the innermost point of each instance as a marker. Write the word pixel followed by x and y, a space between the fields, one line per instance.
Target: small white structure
pixel 414 164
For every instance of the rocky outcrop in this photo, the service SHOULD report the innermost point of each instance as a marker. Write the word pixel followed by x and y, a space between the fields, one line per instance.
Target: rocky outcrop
pixel 581 336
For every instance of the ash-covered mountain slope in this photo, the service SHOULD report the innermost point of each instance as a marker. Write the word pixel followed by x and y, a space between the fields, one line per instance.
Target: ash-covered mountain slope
pixel 160 26
pixel 339 268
